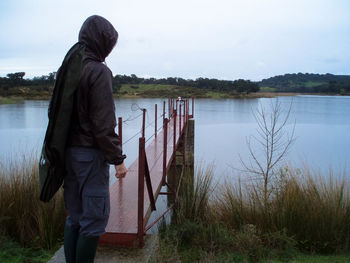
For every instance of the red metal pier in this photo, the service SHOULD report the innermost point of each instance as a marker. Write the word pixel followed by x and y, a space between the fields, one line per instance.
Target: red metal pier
pixel 133 197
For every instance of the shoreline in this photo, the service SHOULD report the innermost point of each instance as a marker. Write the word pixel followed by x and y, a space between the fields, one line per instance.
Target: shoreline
pixel 18 99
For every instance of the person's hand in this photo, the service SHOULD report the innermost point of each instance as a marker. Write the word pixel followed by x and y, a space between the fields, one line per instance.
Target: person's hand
pixel 120 170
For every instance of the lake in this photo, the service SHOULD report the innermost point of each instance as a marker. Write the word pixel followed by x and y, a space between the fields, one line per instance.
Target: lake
pixel 322 126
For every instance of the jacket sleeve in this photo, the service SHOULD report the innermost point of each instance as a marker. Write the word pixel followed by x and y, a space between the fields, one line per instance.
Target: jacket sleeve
pixel 102 115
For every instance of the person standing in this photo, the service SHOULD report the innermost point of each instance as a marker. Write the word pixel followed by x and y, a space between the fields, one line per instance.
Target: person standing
pixel 92 145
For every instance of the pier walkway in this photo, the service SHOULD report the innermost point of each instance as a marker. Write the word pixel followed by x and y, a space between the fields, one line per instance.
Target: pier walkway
pixel 133 197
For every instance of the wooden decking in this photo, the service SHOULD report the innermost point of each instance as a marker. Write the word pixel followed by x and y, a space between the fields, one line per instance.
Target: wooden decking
pixel 122 226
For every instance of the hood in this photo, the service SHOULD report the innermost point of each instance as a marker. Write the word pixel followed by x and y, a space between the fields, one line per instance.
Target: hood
pixel 99 37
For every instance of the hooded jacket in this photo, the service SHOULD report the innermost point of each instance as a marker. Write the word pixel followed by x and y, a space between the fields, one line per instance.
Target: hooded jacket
pixel 94 119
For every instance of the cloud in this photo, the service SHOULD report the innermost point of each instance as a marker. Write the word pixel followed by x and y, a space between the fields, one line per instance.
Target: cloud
pixel 184 38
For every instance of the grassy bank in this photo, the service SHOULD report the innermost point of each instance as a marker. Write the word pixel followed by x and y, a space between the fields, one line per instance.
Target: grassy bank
pixel 306 219
pixel 13 252
pixel 172 91
pixel 144 91
pixel 10 100
pixel 26 221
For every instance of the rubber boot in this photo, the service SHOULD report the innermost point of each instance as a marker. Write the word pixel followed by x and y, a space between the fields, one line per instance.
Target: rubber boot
pixel 70 244
pixel 86 249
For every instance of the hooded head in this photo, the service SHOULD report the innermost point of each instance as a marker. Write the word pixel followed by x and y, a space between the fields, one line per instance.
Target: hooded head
pixel 99 37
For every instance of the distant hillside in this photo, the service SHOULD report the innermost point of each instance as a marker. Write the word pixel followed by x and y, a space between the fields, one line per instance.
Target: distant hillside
pixel 308 83
pixel 14 84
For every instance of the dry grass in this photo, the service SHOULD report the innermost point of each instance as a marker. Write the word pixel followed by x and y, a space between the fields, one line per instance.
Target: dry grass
pixel 233 223
pixel 313 210
pixel 195 191
pixel 23 217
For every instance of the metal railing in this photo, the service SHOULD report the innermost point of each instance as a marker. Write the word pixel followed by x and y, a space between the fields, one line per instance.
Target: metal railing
pixel 178 109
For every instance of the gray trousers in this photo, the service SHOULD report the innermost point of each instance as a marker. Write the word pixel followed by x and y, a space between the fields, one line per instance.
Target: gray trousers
pixel 86 191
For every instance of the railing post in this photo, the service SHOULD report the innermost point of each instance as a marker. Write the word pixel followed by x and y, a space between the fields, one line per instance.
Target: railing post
pixel 120 131
pixel 141 184
pixel 165 148
pixel 184 121
pixel 155 121
pixel 168 108
pixel 174 152
pixel 180 118
pixel 192 108
pixel 185 107
pixel 164 111
pixel 188 110
pixel 143 122
pixel 185 110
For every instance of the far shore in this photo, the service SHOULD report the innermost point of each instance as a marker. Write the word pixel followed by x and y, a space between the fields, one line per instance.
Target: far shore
pixel 208 95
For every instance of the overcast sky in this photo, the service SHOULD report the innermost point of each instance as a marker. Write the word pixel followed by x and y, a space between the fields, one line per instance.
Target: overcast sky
pixel 225 39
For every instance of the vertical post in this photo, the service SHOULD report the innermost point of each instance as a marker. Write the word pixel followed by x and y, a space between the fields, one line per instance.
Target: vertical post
pixel 120 131
pixel 184 121
pixel 188 110
pixel 164 111
pixel 165 148
pixel 141 185
pixel 189 148
pixel 180 118
pixel 169 108
pixel 175 117
pixel 172 107
pixel 192 108
pixel 143 122
pixel 186 113
pixel 155 121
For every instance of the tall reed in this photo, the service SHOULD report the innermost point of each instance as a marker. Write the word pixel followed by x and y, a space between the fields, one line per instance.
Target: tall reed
pixel 313 210
pixel 194 195
pixel 22 215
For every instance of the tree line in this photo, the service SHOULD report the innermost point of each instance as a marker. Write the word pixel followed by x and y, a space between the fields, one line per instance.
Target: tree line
pixel 238 86
pixel 17 79
pixel 309 83
pixel 14 83
pixel 9 85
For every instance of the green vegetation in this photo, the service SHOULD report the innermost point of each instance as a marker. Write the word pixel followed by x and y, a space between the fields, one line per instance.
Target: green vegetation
pixel 36 88
pixel 13 252
pixel 211 223
pixel 203 84
pixel 320 259
pixel 273 214
pixel 168 91
pixel 132 86
pixel 267 89
pixel 309 83
pixel 10 100
pixel 228 223
pixel 29 228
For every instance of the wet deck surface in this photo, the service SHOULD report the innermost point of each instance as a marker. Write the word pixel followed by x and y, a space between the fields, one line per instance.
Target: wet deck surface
pixel 122 224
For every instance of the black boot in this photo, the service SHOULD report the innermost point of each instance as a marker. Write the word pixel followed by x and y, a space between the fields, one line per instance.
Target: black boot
pixel 70 243
pixel 86 249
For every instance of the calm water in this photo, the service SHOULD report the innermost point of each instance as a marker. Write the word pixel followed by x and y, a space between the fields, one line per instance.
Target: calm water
pixel 221 128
